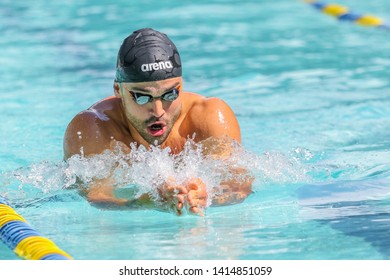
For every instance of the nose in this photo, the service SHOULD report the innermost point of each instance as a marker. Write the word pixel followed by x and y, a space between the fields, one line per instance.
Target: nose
pixel 157 109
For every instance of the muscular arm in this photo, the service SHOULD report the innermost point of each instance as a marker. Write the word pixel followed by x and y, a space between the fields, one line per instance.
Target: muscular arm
pixel 218 130
pixel 89 134
pixel 212 117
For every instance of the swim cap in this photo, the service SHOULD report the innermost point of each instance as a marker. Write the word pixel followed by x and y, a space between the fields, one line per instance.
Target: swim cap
pixel 147 55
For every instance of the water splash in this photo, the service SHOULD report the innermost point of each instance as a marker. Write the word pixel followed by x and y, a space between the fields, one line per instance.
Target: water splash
pixel 142 171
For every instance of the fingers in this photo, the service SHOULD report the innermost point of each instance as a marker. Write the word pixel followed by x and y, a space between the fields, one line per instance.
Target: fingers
pixel 197 197
pixel 198 202
pixel 192 196
pixel 189 203
pixel 180 201
pixel 178 198
pixel 176 190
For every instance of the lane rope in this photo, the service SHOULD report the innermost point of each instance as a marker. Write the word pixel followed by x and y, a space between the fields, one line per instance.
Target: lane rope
pixel 343 13
pixel 26 242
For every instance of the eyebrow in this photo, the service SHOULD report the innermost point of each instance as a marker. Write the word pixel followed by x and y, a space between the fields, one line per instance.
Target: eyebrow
pixel 142 90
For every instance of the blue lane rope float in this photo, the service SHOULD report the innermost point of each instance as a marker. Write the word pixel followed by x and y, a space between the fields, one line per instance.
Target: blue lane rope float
pixel 342 13
pixel 26 242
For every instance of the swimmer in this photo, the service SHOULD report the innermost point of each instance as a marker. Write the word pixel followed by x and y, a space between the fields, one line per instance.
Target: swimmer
pixel 150 107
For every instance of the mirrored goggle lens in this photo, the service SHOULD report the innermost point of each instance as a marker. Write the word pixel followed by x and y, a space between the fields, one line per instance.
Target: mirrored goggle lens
pixel 171 96
pixel 143 99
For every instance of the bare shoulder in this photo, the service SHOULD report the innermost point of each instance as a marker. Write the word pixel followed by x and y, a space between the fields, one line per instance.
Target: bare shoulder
pixel 211 116
pixel 91 131
pixel 198 103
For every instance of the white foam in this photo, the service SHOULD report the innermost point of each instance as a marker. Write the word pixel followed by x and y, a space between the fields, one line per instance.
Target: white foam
pixel 144 170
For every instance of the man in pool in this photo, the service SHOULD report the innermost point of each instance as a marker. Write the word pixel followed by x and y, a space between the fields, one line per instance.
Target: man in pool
pixel 150 107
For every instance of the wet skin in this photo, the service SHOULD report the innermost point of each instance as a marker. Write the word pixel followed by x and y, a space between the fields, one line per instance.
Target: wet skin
pixel 119 120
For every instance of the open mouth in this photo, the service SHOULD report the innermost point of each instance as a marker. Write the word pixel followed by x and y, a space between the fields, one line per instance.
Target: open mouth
pixel 157 129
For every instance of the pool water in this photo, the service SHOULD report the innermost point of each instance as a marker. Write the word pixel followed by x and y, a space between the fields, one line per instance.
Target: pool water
pixel 312 95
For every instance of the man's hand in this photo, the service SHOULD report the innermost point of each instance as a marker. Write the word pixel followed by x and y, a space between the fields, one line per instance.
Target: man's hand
pixel 197 196
pixel 192 195
pixel 173 197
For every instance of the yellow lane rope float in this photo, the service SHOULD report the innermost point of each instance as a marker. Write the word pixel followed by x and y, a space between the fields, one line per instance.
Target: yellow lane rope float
pixel 25 241
pixel 342 13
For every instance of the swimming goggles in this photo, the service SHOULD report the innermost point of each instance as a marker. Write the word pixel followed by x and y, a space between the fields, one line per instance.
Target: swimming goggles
pixel 142 99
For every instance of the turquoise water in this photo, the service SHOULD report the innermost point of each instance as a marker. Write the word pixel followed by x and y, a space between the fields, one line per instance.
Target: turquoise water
pixel 312 95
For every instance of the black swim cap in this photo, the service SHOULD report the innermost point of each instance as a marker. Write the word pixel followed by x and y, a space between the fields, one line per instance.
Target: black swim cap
pixel 147 55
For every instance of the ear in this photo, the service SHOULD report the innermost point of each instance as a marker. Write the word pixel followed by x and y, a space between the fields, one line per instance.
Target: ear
pixel 117 90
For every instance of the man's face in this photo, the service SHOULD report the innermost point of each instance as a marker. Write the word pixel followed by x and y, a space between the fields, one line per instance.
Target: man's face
pixel 152 108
